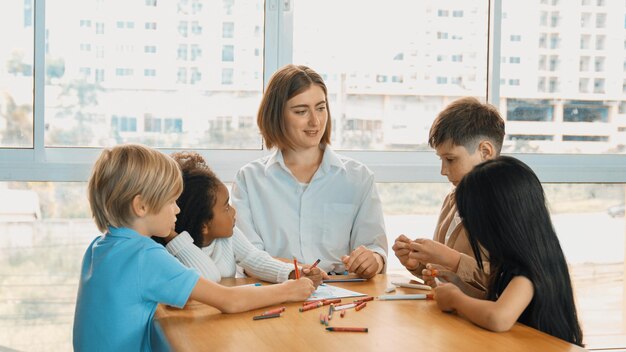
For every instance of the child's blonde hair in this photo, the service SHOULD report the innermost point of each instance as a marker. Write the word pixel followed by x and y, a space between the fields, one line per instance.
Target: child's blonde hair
pixel 125 171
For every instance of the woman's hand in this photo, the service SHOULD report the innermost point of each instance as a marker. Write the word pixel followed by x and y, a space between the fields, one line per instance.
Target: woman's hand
pixel 363 262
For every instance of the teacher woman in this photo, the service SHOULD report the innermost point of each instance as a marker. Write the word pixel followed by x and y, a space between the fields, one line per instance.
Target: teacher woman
pixel 304 201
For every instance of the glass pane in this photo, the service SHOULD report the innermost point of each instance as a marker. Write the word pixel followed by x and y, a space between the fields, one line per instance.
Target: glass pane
pixel 16 73
pixel 46 227
pixel 594 253
pixel 392 67
pixel 44 231
pixel 185 74
pixel 563 76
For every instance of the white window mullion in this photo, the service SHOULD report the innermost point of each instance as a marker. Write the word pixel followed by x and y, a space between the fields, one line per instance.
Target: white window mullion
pixel 39 82
pixel 495 44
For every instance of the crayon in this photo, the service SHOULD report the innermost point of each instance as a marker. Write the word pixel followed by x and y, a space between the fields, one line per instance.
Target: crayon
pixel 364 299
pixel 259 317
pixel 315 264
pixel 297 272
pixel 360 306
pixel 343 313
pixel 345 306
pixel 407 285
pixel 402 297
pixel 346 329
pixel 331 301
pixel 310 306
pixel 274 311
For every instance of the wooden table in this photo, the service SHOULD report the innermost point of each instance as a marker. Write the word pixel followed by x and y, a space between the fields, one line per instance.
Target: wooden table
pixel 393 326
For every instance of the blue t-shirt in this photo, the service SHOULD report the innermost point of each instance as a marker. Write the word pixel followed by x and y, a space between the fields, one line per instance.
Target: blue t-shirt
pixel 123 277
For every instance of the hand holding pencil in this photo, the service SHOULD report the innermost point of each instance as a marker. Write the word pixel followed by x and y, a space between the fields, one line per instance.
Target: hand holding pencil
pixel 311 272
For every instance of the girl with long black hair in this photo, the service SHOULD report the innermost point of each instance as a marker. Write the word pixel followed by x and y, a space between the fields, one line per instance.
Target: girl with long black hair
pixel 503 207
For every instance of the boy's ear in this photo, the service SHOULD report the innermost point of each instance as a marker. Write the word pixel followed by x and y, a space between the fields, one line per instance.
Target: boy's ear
pixel 487 150
pixel 138 206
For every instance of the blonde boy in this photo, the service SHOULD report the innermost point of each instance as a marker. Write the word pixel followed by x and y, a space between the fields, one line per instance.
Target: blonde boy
pixel 132 195
pixel 466 133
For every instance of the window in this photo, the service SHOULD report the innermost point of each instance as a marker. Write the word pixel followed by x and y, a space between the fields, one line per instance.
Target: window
pixel 583 85
pixel 600 20
pixel 554 41
pixel 598 85
pixel 228 29
pixel 554 63
pixel 585 41
pixel 149 72
pixel 196 28
pixel 599 64
pixel 529 110
pixel 585 111
pixel 151 124
pixel 584 63
pixel 91 101
pixel 585 20
pixel 227 76
pixel 228 53
pixel 600 39
pixel 183 28
pixel 514 60
pixel 123 123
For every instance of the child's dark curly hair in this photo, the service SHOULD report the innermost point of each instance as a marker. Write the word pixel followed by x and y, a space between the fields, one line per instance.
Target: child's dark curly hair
pixel 196 203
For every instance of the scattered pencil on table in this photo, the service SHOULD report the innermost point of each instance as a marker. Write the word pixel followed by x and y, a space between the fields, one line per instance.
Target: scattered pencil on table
pixel 364 299
pixel 315 264
pixel 345 329
pixel 356 279
pixel 343 313
pixel 331 309
pixel 360 306
pixel 331 301
pixel 408 285
pixel 297 271
pixel 345 306
pixel 310 306
pixel 274 311
pixel 405 297
pixel 259 317
pixel 306 303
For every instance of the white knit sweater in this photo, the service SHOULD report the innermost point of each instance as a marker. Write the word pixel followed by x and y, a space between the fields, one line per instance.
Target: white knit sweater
pixel 220 258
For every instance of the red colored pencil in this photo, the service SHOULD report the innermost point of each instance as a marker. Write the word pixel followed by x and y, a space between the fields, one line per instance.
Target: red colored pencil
pixel 295 265
pixel 346 329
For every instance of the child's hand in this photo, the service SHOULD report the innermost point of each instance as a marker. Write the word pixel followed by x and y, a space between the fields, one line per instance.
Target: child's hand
pixel 401 249
pixel 429 251
pixel 446 296
pixel 298 290
pixel 362 261
pixel 433 271
pixel 316 275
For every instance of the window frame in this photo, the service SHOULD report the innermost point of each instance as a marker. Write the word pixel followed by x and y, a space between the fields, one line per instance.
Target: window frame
pixel 62 164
